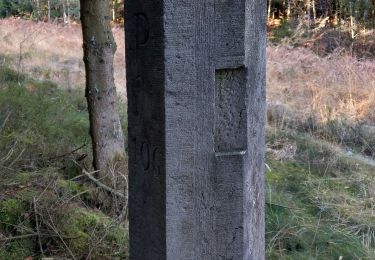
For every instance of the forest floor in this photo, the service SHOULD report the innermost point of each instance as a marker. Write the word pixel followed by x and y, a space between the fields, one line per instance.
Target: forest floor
pixel 320 197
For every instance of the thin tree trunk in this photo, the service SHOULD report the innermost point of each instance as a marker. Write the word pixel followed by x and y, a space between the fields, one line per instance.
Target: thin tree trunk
pixel 338 18
pixel 114 5
pixel 269 9
pixel 351 20
pixel 49 10
pixel 365 14
pixel 68 11
pixel 38 9
pixel 314 9
pixel 308 7
pixel 99 49
pixel 64 11
pixel 288 10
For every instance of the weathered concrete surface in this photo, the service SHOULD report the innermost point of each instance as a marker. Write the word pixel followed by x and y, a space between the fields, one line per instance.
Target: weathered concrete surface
pixel 196 90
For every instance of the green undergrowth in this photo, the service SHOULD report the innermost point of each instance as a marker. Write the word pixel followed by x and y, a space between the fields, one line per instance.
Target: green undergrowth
pixel 47 208
pixel 319 204
pixel 281 31
pixel 41 119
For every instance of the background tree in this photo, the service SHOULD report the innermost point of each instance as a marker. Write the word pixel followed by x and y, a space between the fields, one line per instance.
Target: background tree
pixel 99 49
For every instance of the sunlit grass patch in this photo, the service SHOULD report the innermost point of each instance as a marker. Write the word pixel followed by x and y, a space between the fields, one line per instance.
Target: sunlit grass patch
pixel 319 204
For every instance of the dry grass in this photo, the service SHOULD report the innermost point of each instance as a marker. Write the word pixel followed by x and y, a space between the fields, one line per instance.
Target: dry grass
pixel 333 99
pixel 52 51
pixel 320 203
pixel 329 88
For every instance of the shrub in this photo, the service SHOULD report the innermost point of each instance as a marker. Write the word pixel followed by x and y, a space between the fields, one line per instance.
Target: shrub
pixel 16 8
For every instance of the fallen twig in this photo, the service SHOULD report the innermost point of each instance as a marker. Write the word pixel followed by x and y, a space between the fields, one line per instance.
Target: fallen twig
pixel 17 158
pixel 53 227
pixel 8 239
pixel 278 205
pixel 102 185
pixel 75 196
pixel 37 227
pixel 66 154
pixel 7 157
pixel 5 120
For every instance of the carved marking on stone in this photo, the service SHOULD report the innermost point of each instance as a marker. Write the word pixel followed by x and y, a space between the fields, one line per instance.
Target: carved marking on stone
pixel 135 94
pixel 195 72
pixel 143 31
pixel 150 157
pixel 145 156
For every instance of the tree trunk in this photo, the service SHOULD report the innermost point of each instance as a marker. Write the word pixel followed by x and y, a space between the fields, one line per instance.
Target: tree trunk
pixel 338 18
pixel 308 7
pixel 365 15
pixel 49 10
pixel 314 9
pixel 64 11
pixel 68 12
pixel 269 9
pixel 114 6
pixel 99 49
pixel 352 33
pixel 38 9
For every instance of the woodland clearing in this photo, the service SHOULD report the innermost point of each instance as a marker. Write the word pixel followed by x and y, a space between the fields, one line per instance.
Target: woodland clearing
pixel 320 140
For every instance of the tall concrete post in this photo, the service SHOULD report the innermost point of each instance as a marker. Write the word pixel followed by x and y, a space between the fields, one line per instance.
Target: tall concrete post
pixel 196 105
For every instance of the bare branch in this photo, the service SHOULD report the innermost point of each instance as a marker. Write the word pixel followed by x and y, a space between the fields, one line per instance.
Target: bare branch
pixel 102 185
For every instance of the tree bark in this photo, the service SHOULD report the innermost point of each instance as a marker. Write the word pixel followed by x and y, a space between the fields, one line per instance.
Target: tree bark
pixel 114 6
pixel 67 11
pixel 313 9
pixel 352 33
pixel 338 18
pixel 308 7
pixel 38 9
pixel 49 10
pixel 269 9
pixel 64 11
pixel 99 49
